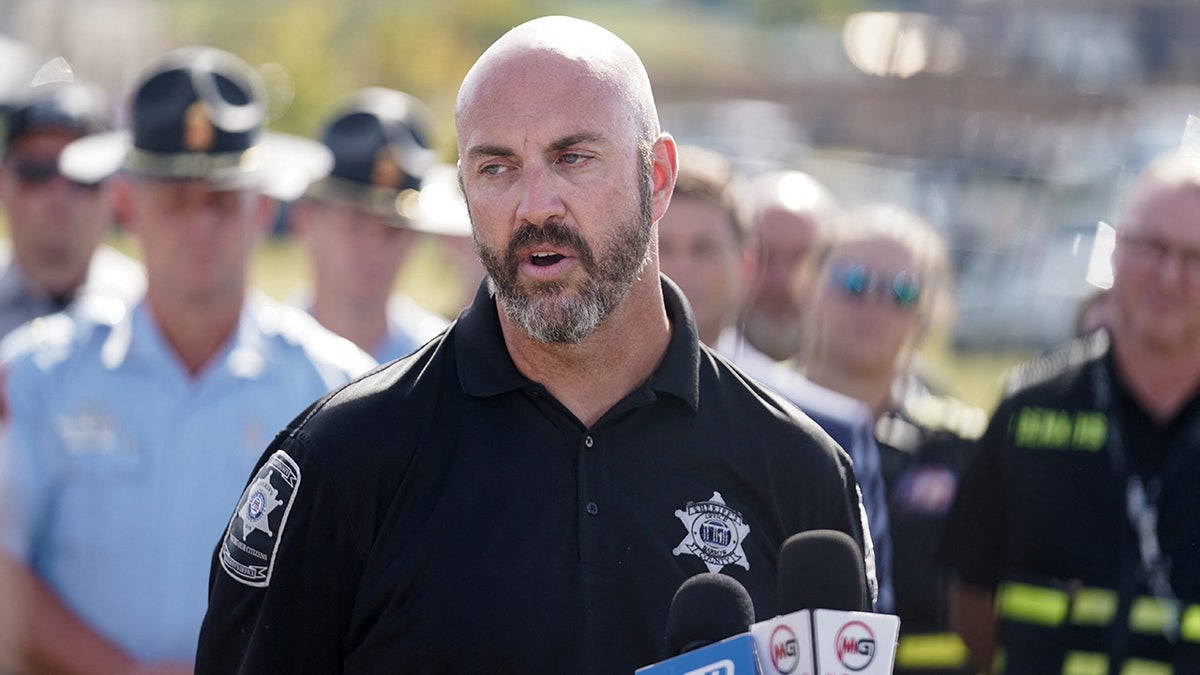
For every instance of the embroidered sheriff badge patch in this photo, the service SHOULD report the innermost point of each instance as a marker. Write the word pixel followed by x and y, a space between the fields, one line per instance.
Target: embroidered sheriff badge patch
pixel 252 538
pixel 715 533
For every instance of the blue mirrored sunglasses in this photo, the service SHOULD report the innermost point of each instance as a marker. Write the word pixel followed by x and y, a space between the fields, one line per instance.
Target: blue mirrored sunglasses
pixel 858 281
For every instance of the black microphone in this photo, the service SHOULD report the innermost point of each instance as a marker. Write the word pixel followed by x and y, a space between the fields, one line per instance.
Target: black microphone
pixel 708 629
pixel 707 608
pixel 821 569
pixel 826 622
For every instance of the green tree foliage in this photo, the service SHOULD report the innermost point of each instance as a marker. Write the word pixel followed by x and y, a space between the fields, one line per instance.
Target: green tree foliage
pixel 316 52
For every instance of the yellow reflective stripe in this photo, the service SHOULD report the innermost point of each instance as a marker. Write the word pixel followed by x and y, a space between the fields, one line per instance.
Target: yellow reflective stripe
pixel 1150 615
pixel 1146 667
pixel 931 650
pixel 1032 604
pixel 1189 628
pixel 1085 663
pixel 1094 607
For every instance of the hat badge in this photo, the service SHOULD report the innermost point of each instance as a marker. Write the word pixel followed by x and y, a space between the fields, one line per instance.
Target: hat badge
pixel 198 132
pixel 385 171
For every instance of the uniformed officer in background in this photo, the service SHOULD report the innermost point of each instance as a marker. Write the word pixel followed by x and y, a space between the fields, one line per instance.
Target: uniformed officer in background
pixel 132 431
pixel 1074 535
pixel 357 223
pixel 56 225
pixel 788 215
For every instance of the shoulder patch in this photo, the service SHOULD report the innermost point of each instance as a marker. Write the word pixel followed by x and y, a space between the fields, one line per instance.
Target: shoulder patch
pixel 252 538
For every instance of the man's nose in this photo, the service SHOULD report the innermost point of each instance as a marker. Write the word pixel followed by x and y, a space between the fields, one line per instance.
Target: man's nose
pixel 540 197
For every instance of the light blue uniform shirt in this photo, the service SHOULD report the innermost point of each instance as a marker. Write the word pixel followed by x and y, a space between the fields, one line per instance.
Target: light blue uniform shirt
pixel 111 274
pixel 409 326
pixel 119 471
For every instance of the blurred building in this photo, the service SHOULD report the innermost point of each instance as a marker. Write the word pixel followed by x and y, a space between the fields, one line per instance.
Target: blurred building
pixel 1011 124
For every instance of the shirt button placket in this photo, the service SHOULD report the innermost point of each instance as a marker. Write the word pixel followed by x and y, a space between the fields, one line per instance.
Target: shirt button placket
pixel 591 506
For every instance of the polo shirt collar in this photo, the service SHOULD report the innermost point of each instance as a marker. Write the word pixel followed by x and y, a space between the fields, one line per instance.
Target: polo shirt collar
pixel 485 367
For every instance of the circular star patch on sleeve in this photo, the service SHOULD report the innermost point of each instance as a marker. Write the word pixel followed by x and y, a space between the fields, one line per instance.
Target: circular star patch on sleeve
pixel 248 550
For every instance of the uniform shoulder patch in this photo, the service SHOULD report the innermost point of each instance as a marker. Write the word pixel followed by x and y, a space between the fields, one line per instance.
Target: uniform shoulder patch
pixel 252 538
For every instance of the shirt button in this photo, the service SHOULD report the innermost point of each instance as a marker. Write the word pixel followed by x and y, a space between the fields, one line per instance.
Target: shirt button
pixel 593 508
pixel 587 440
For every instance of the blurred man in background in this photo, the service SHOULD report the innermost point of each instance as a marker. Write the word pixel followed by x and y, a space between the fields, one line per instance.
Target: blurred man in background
pixel 56 226
pixel 788 213
pixel 1074 535
pixel 130 432
pixel 356 223
pixel 701 243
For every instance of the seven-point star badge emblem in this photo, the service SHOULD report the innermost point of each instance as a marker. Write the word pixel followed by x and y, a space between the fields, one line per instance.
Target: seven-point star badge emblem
pixel 715 533
pixel 261 501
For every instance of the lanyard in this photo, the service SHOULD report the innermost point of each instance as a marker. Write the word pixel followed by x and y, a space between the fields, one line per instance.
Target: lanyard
pixel 1141 506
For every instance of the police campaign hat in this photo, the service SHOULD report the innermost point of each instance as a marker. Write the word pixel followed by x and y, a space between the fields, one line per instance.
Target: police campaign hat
pixel 76 107
pixel 200 113
pixel 380 142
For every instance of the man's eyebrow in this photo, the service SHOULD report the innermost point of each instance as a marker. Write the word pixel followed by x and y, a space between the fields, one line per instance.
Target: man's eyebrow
pixel 489 151
pixel 575 139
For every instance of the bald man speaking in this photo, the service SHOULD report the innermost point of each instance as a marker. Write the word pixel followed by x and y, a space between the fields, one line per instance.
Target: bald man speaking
pixel 526 492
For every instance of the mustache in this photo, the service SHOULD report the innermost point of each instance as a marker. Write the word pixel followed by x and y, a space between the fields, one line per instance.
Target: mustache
pixel 553 232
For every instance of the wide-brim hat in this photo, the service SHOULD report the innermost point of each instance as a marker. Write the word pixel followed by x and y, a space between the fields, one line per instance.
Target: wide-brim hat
pixel 75 107
pixel 200 113
pixel 380 142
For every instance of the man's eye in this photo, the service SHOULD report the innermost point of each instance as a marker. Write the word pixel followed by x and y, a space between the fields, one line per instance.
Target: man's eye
pixel 492 169
pixel 571 158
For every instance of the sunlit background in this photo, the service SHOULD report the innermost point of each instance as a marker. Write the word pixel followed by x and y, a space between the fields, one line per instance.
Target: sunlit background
pixel 1013 125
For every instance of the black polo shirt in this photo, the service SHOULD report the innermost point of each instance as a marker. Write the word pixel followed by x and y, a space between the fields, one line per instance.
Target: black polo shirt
pixel 446 514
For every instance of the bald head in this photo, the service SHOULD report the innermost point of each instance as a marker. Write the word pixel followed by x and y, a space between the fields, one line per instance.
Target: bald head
pixel 559 46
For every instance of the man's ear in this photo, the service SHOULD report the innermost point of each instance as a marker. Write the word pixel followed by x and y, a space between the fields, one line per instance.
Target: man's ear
pixel 662 174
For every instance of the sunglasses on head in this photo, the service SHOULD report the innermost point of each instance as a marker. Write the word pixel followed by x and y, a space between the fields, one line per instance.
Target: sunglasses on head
pixel 859 281
pixel 40 172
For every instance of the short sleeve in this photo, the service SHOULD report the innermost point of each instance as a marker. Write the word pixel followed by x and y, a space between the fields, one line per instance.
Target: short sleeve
pixel 275 605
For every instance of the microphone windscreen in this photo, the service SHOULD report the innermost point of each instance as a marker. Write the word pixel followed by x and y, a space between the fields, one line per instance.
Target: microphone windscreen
pixel 821 569
pixel 707 608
